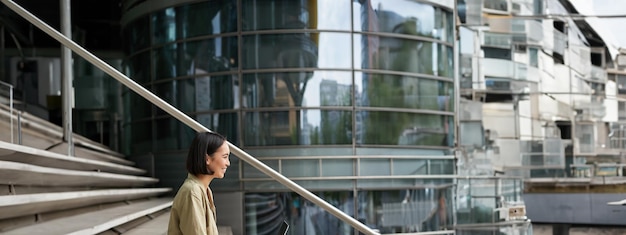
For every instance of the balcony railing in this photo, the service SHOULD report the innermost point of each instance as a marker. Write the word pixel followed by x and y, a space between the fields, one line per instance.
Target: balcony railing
pixel 500 40
pixel 501 68
pixel 496 6
pixel 598 74
pixel 559 42
pixel 546 154
pixel 534 31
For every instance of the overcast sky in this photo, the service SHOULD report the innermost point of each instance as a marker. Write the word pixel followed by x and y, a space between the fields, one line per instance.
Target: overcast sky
pixel 610 29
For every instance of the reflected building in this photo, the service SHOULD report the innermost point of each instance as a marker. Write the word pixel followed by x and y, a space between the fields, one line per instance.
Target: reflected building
pixel 352 100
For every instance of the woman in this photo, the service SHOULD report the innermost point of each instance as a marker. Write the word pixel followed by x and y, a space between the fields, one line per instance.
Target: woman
pixel 193 210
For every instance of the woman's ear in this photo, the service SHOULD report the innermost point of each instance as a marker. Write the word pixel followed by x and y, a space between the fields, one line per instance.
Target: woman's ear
pixel 207 159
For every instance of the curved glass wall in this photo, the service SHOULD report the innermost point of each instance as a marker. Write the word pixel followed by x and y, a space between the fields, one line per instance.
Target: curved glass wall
pixel 311 78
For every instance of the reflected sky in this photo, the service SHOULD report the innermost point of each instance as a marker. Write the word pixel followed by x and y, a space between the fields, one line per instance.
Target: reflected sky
pixel 333 15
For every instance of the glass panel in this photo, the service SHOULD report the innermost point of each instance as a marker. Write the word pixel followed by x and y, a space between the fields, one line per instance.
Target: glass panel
pixel 249 172
pixel 141 137
pixel 138 34
pixel 469 130
pixel 141 108
pixel 533 57
pixel 303 217
pixel 205 56
pixel 405 55
pixel 337 167
pixel 499 5
pixel 305 14
pixel 211 92
pixel 368 167
pixel 441 167
pixel 305 127
pixel 397 151
pixel 300 151
pixel 403 17
pixel 164 61
pixel 139 69
pixel 303 50
pixel 167 92
pixel 308 184
pixel 223 123
pixel 163 26
pixel 206 18
pixel 166 134
pixel 407 211
pixel 186 95
pixel 410 167
pixel 385 90
pixel 315 89
pixel 396 128
pixel 199 94
pixel 300 168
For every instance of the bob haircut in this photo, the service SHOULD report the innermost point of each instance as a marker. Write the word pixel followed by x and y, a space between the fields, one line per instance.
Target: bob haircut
pixel 204 143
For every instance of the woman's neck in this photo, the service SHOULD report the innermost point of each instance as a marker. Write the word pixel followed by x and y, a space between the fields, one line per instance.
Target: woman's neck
pixel 205 179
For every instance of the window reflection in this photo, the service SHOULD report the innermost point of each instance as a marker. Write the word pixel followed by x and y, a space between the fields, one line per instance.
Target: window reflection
pixel 305 14
pixel 298 127
pixel 141 108
pixel 137 34
pixel 392 211
pixel 405 55
pixel 403 17
pixel 304 89
pixel 213 92
pixel 407 211
pixel 139 69
pixel 223 123
pixel 205 56
pixel 302 50
pixel 163 26
pixel 164 60
pixel 385 90
pixel 397 128
pixel 141 136
pixel 167 133
pixel 195 57
pixel 206 18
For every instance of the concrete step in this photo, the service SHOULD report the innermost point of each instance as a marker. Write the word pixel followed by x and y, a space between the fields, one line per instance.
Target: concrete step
pixel 30 155
pixel 29 204
pixel 13 173
pixel 155 226
pixel 158 226
pixel 97 221
pixel 41 134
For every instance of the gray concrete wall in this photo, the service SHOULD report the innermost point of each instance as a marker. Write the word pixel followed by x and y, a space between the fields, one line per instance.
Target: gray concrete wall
pixel 579 208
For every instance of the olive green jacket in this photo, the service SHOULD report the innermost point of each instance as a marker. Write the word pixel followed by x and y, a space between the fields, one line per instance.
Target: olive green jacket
pixel 193 210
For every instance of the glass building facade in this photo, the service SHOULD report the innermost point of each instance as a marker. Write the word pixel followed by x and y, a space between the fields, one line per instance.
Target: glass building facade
pixel 351 99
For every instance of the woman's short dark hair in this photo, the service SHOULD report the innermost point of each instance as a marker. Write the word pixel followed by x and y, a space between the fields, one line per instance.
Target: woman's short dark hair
pixel 204 143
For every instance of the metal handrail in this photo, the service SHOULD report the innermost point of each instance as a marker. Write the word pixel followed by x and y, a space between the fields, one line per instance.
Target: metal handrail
pixel 181 116
pixel 10 107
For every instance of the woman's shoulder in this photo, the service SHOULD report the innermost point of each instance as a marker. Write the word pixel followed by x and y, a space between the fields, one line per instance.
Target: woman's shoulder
pixel 190 187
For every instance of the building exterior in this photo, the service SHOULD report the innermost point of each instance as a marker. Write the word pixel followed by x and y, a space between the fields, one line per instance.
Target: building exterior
pixel 461 117
pixel 548 110
pixel 351 99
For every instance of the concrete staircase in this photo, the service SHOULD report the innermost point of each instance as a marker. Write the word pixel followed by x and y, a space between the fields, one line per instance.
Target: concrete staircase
pixel 43 190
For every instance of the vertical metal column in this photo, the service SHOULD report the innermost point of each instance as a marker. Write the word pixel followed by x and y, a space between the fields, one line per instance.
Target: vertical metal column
pixel 457 102
pixel 66 74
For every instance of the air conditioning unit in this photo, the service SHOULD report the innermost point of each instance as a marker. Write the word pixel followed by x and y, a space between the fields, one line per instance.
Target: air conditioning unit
pixel 512 211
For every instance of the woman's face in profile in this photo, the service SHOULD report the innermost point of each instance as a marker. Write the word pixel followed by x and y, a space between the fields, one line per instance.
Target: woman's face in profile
pixel 219 161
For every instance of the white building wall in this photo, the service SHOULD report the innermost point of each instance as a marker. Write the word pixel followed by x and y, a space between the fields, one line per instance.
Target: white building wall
pixel 525 121
pixel 610 103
